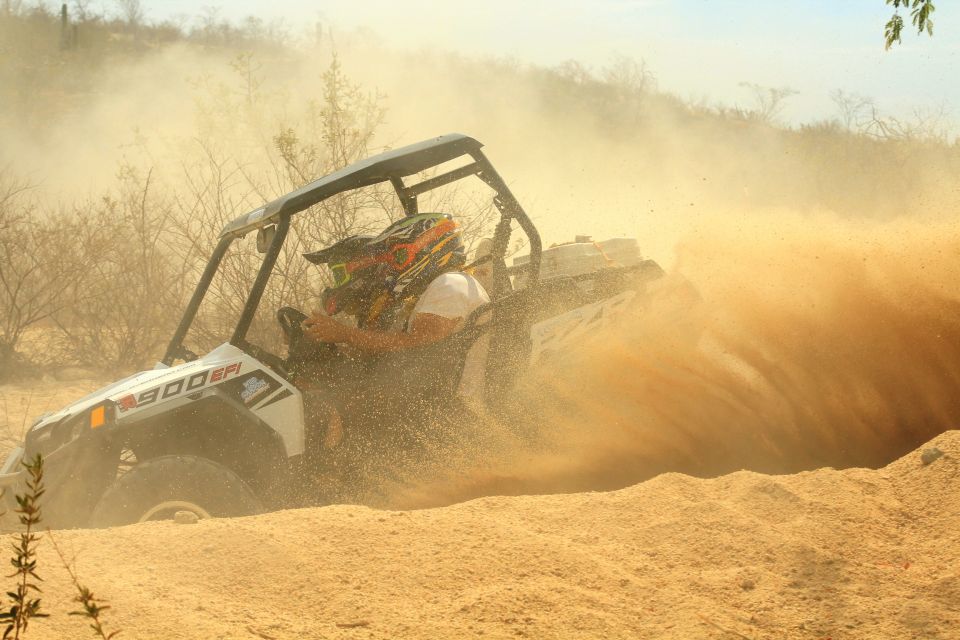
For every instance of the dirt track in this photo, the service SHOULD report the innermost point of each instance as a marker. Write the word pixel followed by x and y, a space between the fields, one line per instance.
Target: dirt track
pixel 821 554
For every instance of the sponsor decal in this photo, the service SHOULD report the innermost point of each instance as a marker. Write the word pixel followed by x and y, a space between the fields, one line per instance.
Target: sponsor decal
pixel 224 372
pixel 197 380
pixel 189 384
pixel 253 387
pixel 174 388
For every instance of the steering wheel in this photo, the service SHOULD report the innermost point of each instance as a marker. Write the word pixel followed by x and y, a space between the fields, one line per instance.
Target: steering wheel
pixel 185 354
pixel 291 321
pixel 302 351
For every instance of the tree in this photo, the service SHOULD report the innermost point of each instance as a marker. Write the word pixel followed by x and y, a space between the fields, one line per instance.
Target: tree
pixel 83 10
pixel 132 12
pixel 768 102
pixel 853 109
pixel 40 266
pixel 920 11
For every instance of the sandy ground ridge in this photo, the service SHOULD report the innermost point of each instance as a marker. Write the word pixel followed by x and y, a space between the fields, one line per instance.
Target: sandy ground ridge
pixel 822 554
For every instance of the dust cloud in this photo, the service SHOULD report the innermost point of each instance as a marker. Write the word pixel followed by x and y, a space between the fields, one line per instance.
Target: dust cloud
pixel 826 267
pixel 816 342
pixel 586 151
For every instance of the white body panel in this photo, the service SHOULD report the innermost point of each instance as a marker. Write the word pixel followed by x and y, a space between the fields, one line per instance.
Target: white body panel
pixel 578 258
pixel 164 389
pixel 553 335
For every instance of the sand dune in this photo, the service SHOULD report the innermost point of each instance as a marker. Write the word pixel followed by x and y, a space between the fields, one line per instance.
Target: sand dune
pixel 821 554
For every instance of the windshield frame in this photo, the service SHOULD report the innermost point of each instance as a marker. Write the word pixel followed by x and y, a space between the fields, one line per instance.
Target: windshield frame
pixel 281 211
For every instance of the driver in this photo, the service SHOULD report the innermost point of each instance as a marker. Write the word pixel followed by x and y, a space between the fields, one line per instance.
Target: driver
pixel 398 290
pixel 404 287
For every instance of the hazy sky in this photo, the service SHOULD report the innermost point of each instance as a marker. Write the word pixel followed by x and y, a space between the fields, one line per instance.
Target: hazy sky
pixel 696 48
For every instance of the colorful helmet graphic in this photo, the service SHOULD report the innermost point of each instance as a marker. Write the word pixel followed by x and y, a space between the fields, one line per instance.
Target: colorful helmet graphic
pixel 354 286
pixel 398 263
pixel 414 250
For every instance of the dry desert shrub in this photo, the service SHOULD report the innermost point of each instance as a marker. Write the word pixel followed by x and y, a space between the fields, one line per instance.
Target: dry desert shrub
pixel 25 601
pixel 42 267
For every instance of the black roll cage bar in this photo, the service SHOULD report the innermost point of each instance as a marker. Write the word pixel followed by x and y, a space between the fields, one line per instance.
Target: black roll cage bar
pixel 392 166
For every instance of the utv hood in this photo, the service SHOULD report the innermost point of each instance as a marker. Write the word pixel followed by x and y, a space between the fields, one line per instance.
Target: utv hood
pixel 132 385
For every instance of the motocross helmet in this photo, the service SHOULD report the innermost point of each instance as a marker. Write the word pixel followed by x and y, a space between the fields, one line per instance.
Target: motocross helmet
pixel 353 288
pixel 414 250
pixel 371 275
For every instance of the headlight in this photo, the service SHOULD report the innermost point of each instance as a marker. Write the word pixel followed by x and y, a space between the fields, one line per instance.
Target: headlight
pixel 49 437
pixel 98 416
pixel 102 414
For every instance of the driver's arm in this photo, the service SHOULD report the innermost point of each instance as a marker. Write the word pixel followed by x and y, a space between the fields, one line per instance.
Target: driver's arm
pixel 425 328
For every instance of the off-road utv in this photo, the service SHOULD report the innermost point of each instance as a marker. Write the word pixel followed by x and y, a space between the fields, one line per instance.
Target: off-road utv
pixel 224 434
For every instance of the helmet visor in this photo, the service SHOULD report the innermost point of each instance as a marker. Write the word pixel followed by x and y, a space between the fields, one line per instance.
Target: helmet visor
pixel 397 256
pixel 340 273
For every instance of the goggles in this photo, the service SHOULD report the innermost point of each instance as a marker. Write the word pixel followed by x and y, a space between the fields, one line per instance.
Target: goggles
pixel 398 256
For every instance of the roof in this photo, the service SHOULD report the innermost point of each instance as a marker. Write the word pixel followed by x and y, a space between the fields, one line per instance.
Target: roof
pixel 397 163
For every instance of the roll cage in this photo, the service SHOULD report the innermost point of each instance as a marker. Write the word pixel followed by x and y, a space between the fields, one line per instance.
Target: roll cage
pixel 391 166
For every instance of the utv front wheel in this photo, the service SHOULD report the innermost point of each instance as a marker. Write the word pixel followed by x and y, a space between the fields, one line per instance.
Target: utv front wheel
pixel 156 489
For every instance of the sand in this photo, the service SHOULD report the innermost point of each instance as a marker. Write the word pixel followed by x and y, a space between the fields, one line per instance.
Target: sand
pixel 854 363
pixel 821 554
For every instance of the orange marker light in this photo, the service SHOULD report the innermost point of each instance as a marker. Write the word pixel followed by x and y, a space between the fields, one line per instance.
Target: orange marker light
pixel 98 416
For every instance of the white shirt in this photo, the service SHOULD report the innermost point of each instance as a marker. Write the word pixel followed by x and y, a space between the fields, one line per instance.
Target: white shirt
pixel 451 295
pixel 456 295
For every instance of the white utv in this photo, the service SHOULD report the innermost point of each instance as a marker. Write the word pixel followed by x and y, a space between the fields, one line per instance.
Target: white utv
pixel 224 433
